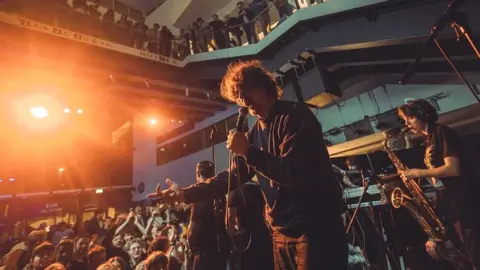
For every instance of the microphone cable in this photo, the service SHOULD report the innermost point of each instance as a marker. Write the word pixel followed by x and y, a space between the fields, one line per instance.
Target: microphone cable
pixel 231 159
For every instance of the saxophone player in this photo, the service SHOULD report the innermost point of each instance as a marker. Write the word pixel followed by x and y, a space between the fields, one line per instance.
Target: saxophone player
pixel 442 158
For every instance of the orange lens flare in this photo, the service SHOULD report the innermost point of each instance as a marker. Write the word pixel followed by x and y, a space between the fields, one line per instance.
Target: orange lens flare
pixel 38 112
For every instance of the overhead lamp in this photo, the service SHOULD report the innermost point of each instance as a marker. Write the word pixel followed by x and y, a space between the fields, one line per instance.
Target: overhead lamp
pixel 39 112
pixel 153 121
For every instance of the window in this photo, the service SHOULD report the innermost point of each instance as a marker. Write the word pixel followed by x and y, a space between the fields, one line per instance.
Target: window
pixel 196 141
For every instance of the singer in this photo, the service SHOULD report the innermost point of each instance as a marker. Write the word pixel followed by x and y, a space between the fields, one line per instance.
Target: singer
pixel 286 151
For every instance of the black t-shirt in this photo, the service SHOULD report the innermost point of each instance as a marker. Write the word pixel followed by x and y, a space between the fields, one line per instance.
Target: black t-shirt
pixel 217 25
pixel 250 207
pixel 440 143
pixel 204 227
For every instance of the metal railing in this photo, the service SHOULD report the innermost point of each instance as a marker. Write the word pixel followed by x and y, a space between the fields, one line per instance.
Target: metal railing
pixel 194 41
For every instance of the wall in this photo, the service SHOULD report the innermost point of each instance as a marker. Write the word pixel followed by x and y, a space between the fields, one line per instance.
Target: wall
pixel 354 109
pixel 349 111
pixel 102 10
pixel 182 170
pixel 168 13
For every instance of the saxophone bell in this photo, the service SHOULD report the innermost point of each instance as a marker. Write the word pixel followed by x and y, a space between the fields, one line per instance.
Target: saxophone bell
pixel 396 197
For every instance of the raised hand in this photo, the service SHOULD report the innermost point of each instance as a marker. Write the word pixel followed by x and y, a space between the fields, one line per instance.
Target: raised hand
pixel 169 196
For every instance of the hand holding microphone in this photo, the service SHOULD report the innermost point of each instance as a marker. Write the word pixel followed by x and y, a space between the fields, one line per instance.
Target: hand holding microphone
pixel 237 141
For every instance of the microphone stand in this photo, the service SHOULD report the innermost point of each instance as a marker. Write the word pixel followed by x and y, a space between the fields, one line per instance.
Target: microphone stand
pixel 379 228
pixel 459 22
pixel 212 137
pixel 366 184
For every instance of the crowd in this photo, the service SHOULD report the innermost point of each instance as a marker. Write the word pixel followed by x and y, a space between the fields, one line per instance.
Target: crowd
pixel 145 238
pixel 250 24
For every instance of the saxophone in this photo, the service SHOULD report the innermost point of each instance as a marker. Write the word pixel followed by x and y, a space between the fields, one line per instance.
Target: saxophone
pixel 415 201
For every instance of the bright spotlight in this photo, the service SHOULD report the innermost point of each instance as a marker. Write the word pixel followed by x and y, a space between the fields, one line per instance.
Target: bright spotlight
pixel 79 111
pixel 60 170
pixel 11 179
pixel 153 121
pixel 39 112
pixel 66 110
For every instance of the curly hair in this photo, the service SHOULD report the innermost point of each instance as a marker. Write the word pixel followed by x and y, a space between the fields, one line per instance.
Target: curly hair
pixel 419 108
pixel 246 76
pixel 135 241
pixel 157 259
pixel 55 266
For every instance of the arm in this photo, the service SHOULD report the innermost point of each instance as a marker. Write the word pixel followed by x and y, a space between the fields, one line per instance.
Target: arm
pixel 149 225
pixel 450 169
pixel 232 221
pixel 139 226
pixel 125 223
pixel 218 185
pixel 300 150
pixel 449 146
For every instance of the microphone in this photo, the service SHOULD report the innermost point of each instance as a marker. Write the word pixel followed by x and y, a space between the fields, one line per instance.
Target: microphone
pixel 242 113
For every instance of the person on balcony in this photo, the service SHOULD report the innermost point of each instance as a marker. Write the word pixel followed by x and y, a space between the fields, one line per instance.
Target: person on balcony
pixel 233 24
pixel 246 16
pixel 260 9
pixel 218 32
pixel 140 33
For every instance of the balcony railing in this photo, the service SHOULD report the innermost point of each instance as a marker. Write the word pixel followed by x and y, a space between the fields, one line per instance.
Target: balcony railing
pixel 249 27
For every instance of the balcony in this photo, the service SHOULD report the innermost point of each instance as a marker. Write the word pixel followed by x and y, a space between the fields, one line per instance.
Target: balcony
pixel 74 23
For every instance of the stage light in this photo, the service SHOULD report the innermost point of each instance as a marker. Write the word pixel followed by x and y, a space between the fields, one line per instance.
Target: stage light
pixel 79 111
pixel 61 170
pixel 153 121
pixel 66 110
pixel 11 179
pixel 39 112
pixel 173 120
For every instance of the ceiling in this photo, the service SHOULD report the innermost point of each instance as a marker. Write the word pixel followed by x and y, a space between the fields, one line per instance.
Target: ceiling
pixel 175 14
pixel 198 8
pixel 143 5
